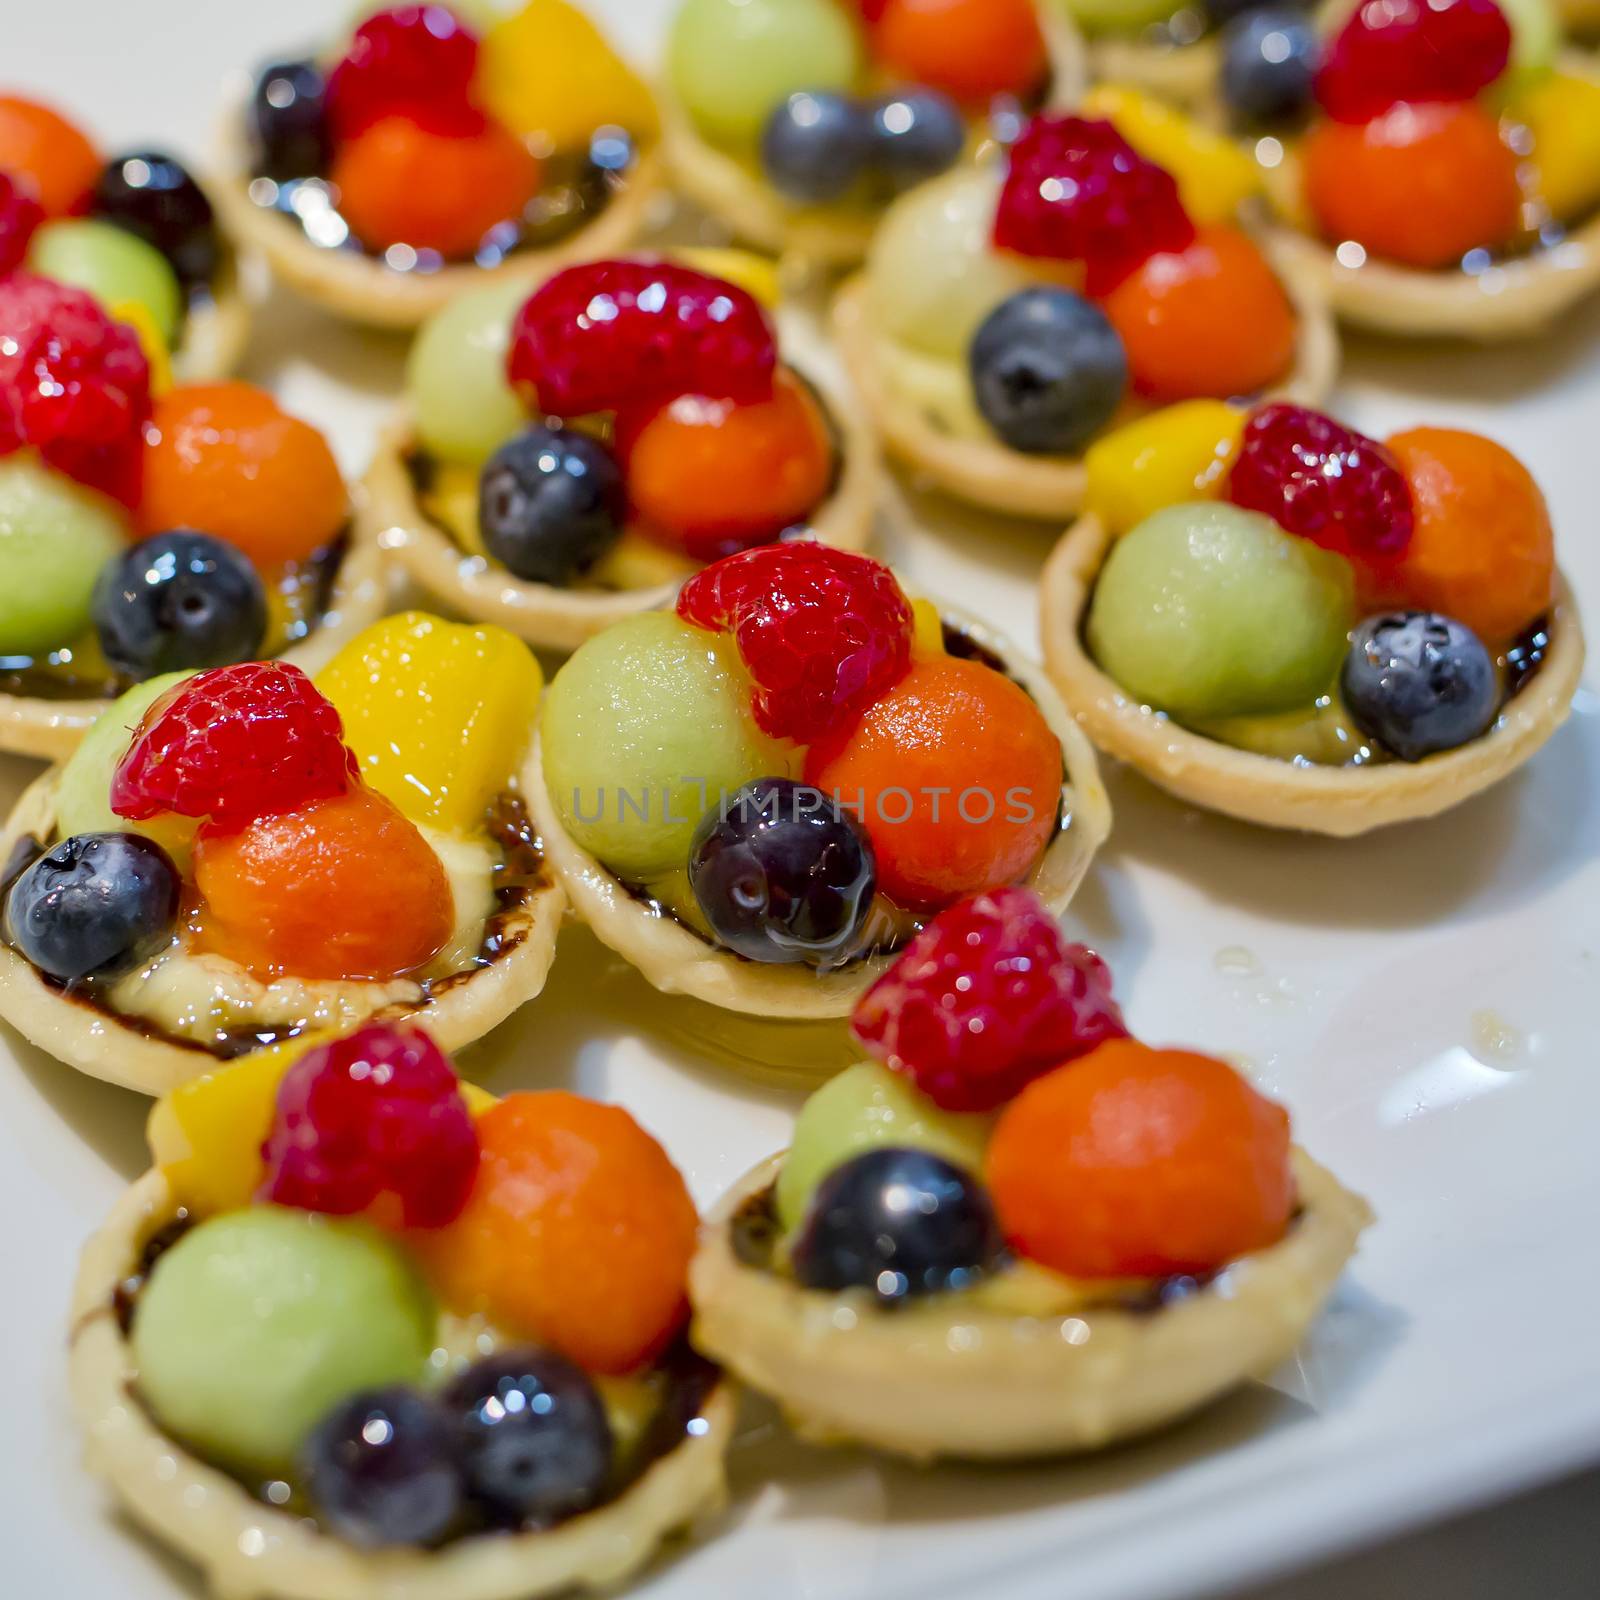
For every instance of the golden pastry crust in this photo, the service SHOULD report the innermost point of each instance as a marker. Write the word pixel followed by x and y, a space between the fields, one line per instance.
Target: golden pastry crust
pixel 1341 801
pixel 949 1376
pixel 215 331
pixel 1184 74
pixel 247 1549
pixel 676 960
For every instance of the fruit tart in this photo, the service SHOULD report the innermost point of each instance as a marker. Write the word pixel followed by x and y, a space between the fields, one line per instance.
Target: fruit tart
pixel 137 232
pixel 794 122
pixel 1010 314
pixel 555 470
pixel 146 532
pixel 238 856
pixel 1015 1230
pixel 364 1331
pixel 1447 180
pixel 423 155
pixel 1274 617
pixel 758 796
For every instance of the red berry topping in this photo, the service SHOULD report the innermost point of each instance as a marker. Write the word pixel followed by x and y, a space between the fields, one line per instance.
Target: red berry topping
pixel 637 333
pixel 824 632
pixel 415 62
pixel 988 997
pixel 1078 191
pixel 373 1119
pixel 234 744
pixel 1323 481
pixel 74 385
pixel 1412 50
pixel 20 214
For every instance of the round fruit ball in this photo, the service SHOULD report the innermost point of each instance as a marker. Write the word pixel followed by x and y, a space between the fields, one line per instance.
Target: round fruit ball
pixel 255 1324
pixel 973 49
pixel 225 459
pixel 956 777
pixel 1136 1162
pixel 113 265
pixel 42 146
pixel 1206 610
pixel 916 135
pixel 814 146
pixel 1269 62
pixel 153 196
pixel 595 1218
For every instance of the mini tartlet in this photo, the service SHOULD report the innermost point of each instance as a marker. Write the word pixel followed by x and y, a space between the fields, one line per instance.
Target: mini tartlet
pixel 829 219
pixel 317 1528
pixel 795 921
pixel 396 875
pixel 989 359
pixel 420 162
pixel 795 458
pixel 1415 714
pixel 907 1276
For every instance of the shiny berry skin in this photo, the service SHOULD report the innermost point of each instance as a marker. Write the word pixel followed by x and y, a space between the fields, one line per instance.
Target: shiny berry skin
pixel 380 1469
pixel 986 998
pixel 373 1119
pixel 782 874
pixel 1414 51
pixel 154 197
pixel 1269 61
pixel 20 215
pixel 916 134
pixel 632 333
pixel 234 744
pixel 822 631
pixel 74 385
pixel 410 61
pixel 1048 371
pixel 902 1223
pixel 1324 482
pixel 814 147
pixel 95 905
pixel 1419 683
pixel 532 1435
pixel 550 504
pixel 1076 190
pixel 289 121
pixel 177 601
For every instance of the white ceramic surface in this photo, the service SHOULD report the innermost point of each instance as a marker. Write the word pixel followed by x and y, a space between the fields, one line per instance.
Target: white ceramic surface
pixel 1421 1000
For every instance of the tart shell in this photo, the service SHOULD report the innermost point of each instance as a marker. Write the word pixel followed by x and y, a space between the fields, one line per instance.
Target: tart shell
pixel 215 330
pixel 951 1378
pixel 1184 75
pixel 248 1549
pixel 95 1040
pixel 52 729
pixel 1341 801
pixel 676 960
pixel 987 473
pixel 741 200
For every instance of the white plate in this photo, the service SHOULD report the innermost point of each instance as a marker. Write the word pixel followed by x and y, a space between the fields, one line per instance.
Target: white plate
pixel 1421 999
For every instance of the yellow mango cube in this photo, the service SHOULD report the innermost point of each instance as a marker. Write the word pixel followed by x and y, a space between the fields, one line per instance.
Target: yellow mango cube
pixel 756 275
pixel 1561 112
pixel 136 315
pixel 1177 454
pixel 928 636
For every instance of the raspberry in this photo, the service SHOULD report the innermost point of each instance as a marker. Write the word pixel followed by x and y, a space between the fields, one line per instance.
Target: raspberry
pixel 375 1118
pixel 636 333
pixel 20 214
pixel 74 385
pixel 1412 50
pixel 988 997
pixel 412 61
pixel 1324 482
pixel 234 744
pixel 824 632
pixel 1078 191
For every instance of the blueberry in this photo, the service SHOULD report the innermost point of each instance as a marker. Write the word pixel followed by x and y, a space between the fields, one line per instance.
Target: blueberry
pixel 1269 59
pixel 1419 683
pixel 916 135
pixel 381 1469
pixel 783 874
pixel 899 1222
pixel 1048 371
pixel 815 147
pixel 532 1435
pixel 289 120
pixel 153 195
pixel 550 504
pixel 94 905
pixel 178 601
